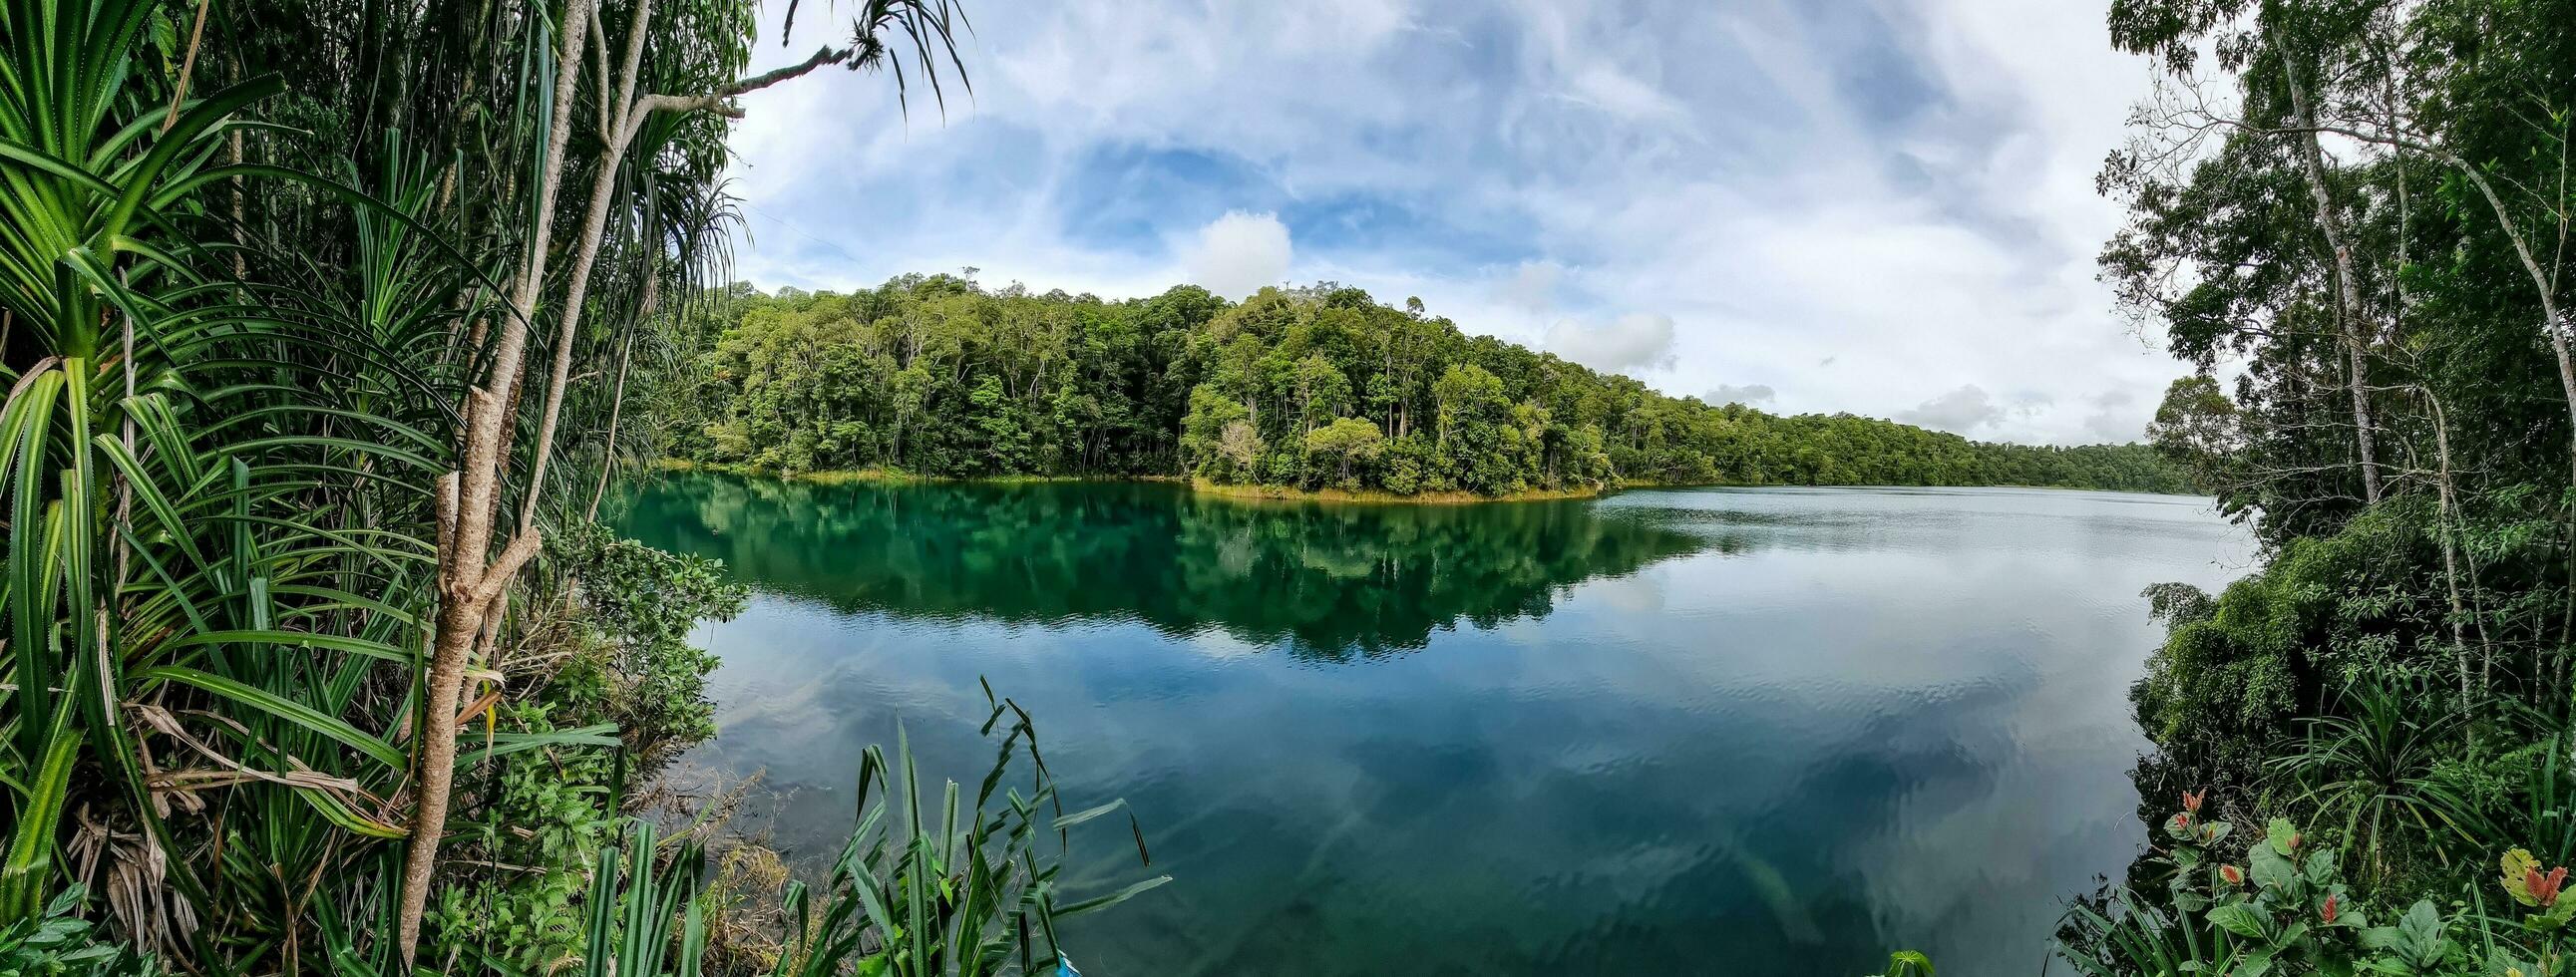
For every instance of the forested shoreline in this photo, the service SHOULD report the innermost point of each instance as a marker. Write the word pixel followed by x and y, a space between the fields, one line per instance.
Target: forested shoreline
pixel 2352 219
pixel 1312 389
pixel 326 325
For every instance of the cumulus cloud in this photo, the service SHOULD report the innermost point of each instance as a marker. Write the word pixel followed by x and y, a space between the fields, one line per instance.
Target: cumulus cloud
pixel 1549 169
pixel 1750 394
pixel 1961 411
pixel 1531 287
pixel 2116 417
pixel 1235 255
pixel 1638 340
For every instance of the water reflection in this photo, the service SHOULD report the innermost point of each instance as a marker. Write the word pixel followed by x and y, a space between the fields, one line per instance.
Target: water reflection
pixel 1336 580
pixel 1757 733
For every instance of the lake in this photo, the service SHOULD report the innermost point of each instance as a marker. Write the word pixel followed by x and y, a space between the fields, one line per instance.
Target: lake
pixel 1749 732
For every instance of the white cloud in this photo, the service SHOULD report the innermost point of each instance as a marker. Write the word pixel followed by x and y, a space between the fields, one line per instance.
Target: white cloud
pixel 1606 88
pixel 1237 254
pixel 1870 204
pixel 1531 287
pixel 1638 340
pixel 1750 394
pixel 2117 417
pixel 1961 411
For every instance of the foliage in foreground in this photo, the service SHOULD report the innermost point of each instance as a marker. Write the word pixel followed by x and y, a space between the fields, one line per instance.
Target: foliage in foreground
pixel 286 367
pixel 2350 219
pixel 619 673
pixel 59 941
pixel 2287 910
pixel 930 884
pixel 1314 388
pixel 933 881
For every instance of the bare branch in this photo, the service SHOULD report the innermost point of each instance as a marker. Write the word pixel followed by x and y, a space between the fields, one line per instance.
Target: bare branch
pixel 713 101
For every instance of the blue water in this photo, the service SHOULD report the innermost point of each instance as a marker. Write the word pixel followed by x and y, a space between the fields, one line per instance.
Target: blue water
pixel 1774 731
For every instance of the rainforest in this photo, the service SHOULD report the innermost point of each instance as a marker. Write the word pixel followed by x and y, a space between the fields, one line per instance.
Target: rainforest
pixel 489 487
pixel 1308 388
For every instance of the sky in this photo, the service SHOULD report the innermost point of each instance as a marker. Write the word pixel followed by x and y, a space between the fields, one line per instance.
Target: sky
pixel 1882 207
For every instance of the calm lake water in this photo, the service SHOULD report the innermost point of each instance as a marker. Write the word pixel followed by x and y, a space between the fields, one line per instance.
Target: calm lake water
pixel 1750 732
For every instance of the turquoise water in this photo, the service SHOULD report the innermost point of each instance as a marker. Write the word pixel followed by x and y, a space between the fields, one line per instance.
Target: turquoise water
pixel 1773 731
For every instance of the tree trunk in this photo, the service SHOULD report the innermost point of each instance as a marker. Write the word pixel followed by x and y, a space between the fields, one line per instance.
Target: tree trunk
pixel 617 397
pixel 468 501
pixel 2348 312
pixel 619 124
pixel 470 497
pixel 2553 325
pixel 2451 554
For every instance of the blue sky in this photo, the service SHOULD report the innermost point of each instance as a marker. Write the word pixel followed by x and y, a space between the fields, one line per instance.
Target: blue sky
pixel 1885 208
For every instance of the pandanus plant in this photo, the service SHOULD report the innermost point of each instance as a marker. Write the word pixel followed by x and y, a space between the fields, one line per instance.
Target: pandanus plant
pixel 479 555
pixel 146 548
pixel 253 483
pixel 934 885
pixel 213 585
pixel 931 882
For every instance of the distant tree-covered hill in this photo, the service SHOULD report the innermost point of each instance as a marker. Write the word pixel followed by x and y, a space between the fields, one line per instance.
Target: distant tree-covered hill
pixel 1311 388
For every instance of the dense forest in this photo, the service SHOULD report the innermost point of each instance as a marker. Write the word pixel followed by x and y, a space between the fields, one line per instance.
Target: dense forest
pixel 1318 387
pixel 325 323
pixel 2353 219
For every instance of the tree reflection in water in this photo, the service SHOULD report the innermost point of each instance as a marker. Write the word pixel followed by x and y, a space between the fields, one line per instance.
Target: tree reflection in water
pixel 1337 580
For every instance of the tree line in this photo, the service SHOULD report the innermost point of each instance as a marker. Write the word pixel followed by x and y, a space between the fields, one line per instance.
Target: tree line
pixel 1310 388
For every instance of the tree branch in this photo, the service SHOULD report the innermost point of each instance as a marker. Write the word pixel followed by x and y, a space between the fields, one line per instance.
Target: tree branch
pixel 522 547
pixel 713 101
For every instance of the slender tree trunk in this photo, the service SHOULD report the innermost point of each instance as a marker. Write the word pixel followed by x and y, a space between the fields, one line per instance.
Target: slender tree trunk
pixel 618 125
pixel 470 496
pixel 2554 325
pixel 2348 311
pixel 241 263
pixel 469 500
pixel 617 398
pixel 2447 529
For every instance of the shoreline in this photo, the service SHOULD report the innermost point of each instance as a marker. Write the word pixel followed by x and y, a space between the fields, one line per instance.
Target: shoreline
pixel 1197 486
pixel 1282 493
pixel 845 476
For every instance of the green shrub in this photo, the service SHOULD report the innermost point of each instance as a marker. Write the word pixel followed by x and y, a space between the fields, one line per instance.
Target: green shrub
pixel 2287 911
pixel 58 943
pixel 2226 691
pixel 541 818
pixel 641 603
